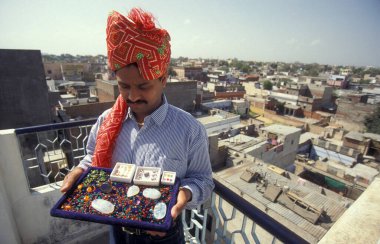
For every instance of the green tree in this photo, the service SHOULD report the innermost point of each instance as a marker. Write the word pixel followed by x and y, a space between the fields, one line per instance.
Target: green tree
pixel 364 81
pixel 372 122
pixel 267 85
pixel 172 72
pixel 245 69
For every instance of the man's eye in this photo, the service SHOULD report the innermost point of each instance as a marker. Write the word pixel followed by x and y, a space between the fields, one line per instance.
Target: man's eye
pixel 143 87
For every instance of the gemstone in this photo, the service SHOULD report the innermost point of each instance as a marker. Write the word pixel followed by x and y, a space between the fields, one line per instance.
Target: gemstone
pixel 103 206
pixel 133 190
pixel 106 188
pixel 159 211
pixel 151 193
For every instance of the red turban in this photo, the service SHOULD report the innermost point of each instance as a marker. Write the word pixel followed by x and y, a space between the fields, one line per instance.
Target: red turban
pixel 135 39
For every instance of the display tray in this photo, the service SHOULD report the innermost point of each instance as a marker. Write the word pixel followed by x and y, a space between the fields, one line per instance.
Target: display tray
pixel 135 211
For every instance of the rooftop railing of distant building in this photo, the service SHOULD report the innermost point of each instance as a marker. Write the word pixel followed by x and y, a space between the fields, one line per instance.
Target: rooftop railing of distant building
pixel 50 151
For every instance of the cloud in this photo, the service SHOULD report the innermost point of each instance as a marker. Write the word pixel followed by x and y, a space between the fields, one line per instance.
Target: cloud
pixel 187 21
pixel 194 39
pixel 209 42
pixel 292 41
pixel 315 42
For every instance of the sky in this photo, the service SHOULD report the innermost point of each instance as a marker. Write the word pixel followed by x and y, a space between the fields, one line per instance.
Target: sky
pixel 335 32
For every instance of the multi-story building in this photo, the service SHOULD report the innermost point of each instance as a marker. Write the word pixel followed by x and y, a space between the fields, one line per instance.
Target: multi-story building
pixel 366 143
pixel 191 73
pixel 186 99
pixel 338 81
pixel 24 95
pixel 276 144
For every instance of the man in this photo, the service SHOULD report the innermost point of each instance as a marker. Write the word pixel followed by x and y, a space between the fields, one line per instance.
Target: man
pixel 142 128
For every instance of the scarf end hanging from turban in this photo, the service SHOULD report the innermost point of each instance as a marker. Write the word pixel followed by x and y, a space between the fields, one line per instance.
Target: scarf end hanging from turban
pixel 107 134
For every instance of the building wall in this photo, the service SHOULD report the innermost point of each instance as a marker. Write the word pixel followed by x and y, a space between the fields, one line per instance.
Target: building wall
pixel 182 94
pixel 106 91
pixel 24 92
pixel 240 107
pixel 87 111
pixel 282 155
pixel 222 125
pixel 180 72
pixel 218 155
pixel 53 70
pixel 282 120
pixel 361 146
pixel 76 71
pixel 282 97
pixel 229 95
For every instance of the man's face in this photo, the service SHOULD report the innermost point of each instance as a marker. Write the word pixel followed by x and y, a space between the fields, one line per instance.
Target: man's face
pixel 143 96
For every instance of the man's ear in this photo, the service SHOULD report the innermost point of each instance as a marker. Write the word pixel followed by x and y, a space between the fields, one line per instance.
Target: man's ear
pixel 164 80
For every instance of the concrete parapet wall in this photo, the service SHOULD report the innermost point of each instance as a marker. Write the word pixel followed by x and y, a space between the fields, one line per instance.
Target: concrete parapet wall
pixel 25 214
pixel 283 120
pixel 361 222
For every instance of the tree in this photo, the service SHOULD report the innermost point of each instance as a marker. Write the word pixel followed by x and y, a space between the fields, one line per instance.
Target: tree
pixel 245 69
pixel 267 85
pixel 372 122
pixel 172 71
pixel 364 81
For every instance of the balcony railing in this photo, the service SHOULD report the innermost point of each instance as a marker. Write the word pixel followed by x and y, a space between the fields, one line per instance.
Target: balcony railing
pixel 49 152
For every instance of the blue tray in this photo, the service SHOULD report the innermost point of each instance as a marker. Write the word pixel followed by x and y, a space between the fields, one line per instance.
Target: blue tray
pixel 134 212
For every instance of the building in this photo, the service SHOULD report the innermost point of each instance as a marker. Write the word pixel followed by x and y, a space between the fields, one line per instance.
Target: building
pixel 338 81
pixel 229 92
pixel 219 121
pixel 302 206
pixel 303 100
pixel 191 73
pixel 107 90
pixel 276 144
pixel 24 95
pixel 336 167
pixel 366 143
pixel 186 98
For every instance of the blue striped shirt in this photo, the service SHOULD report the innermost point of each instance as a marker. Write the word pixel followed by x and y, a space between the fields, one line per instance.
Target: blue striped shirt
pixel 170 139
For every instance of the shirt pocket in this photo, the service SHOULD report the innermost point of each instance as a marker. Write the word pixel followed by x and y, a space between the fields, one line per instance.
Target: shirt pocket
pixel 175 165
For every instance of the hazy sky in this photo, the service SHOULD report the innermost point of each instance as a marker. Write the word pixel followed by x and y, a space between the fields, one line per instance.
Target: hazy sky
pixel 341 32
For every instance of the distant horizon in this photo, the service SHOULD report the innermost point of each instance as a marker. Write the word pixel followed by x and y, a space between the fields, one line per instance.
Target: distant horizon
pixel 271 61
pixel 330 32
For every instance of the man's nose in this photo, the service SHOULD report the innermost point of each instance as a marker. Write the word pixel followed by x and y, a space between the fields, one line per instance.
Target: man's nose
pixel 134 95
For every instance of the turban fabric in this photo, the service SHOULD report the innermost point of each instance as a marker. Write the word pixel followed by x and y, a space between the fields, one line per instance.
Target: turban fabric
pixel 136 40
pixel 132 39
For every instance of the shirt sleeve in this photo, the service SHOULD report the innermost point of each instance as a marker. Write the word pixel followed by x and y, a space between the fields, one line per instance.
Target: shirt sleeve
pixel 198 177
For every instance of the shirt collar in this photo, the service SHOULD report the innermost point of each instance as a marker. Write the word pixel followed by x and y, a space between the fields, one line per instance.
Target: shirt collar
pixel 158 116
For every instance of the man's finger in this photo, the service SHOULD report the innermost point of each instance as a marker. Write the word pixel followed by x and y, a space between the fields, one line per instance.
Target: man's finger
pixel 70 178
pixel 156 233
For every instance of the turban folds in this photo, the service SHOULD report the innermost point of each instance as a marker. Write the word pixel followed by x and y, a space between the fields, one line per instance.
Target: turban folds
pixel 135 39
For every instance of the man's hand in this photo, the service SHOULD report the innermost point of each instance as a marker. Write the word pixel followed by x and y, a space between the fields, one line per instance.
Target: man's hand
pixel 184 195
pixel 71 178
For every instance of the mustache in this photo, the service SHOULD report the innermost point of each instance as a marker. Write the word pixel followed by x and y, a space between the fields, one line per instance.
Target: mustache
pixel 136 102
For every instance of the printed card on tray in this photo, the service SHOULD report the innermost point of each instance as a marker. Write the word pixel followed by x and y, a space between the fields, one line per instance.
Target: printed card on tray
pixel 148 176
pixel 123 172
